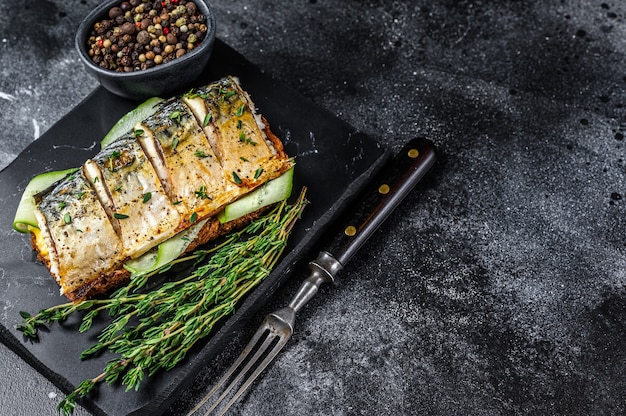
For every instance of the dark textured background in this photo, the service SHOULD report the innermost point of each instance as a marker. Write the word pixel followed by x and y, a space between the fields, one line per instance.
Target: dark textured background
pixel 499 286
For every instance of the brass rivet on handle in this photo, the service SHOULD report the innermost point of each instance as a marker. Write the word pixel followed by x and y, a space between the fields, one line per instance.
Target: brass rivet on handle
pixel 413 153
pixel 383 189
pixel 350 230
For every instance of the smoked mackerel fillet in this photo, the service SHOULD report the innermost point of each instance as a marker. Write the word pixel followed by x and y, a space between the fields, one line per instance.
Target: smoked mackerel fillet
pixel 197 153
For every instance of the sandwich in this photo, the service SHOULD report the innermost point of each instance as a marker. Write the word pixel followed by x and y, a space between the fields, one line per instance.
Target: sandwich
pixel 188 170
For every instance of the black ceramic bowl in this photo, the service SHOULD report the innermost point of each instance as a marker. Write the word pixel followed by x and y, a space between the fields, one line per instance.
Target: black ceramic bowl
pixel 160 80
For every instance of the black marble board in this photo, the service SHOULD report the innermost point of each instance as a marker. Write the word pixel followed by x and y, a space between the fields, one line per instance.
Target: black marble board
pixel 334 161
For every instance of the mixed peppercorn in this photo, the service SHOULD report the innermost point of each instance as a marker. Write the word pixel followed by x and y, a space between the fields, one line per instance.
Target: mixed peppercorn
pixel 140 34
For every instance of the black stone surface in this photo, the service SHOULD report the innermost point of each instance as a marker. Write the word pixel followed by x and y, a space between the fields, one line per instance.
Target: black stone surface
pixel 499 286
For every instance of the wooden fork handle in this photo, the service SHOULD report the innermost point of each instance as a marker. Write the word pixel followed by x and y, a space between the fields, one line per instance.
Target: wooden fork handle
pixel 384 194
pixel 382 197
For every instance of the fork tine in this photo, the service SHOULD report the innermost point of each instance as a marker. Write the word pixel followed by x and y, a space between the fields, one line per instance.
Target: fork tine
pixel 268 358
pixel 222 381
pixel 241 373
pixel 273 328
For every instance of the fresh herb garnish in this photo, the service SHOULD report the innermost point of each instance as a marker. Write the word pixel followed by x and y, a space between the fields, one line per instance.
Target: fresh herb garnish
pixel 67 218
pixel 236 178
pixel 258 173
pixel 147 196
pixel 200 154
pixel 168 321
pixel 119 216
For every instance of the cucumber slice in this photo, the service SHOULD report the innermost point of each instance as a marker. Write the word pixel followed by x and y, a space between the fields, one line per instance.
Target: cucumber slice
pixel 276 190
pixel 130 119
pixel 25 214
pixel 165 252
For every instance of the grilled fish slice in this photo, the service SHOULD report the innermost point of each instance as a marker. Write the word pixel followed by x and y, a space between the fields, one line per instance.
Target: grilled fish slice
pixel 177 167
pixel 236 133
pixel 190 168
pixel 79 238
pixel 131 194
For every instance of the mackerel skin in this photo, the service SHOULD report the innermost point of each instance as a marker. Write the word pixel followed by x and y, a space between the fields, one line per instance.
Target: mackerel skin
pixel 80 238
pixel 132 193
pixel 237 134
pixel 191 168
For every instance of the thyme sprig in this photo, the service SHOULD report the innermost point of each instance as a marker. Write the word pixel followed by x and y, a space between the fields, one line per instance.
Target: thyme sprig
pixel 154 330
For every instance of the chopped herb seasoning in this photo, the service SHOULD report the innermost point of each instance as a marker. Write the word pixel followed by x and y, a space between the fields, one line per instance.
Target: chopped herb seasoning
pixel 240 110
pixel 207 119
pixel 176 115
pixel 80 195
pixel 193 218
pixel 118 187
pixel 194 94
pixel 243 158
pixel 201 193
pixel 200 153
pixel 245 139
pixel 118 216
pixel 236 178
pixel 147 196
pixel 138 132
pixel 239 124
pixel 230 94
pixel 175 143
pixel 258 173
pixel 61 206
pixel 112 157
pixel 177 202
pixel 67 219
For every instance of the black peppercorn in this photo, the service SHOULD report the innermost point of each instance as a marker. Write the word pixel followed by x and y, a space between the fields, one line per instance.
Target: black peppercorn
pixel 114 12
pixel 139 34
pixel 128 28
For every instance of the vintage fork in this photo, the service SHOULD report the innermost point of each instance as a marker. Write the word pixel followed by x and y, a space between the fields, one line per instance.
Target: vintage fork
pixel 384 194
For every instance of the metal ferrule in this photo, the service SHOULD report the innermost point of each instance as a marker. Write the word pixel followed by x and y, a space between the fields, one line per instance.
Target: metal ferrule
pixel 323 270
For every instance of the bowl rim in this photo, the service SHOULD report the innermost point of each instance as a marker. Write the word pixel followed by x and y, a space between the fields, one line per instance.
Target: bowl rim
pixel 80 42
